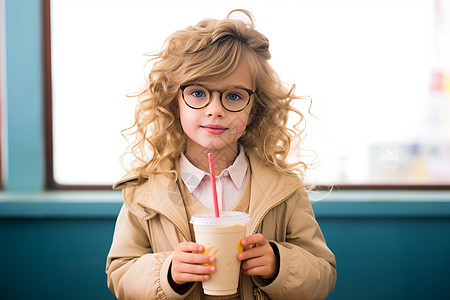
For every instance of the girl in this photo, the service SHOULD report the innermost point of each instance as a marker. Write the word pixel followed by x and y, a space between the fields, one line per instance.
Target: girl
pixel 211 89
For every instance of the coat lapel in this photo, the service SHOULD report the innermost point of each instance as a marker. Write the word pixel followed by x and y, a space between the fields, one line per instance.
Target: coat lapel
pixel 164 198
pixel 268 189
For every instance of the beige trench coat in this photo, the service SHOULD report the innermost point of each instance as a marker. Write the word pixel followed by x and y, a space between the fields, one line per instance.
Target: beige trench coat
pixel 153 221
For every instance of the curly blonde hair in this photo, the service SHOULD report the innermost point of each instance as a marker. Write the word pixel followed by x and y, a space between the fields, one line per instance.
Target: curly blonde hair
pixel 210 49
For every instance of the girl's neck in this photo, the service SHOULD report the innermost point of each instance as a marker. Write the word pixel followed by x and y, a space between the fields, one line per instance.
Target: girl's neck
pixel 223 158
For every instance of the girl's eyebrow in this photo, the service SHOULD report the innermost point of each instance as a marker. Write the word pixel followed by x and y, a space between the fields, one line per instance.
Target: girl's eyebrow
pixel 222 90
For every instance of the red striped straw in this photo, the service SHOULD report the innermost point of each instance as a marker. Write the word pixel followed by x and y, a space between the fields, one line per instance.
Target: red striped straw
pixel 213 183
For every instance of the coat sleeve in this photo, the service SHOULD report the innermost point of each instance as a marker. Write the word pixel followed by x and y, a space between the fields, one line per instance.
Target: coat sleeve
pixel 307 266
pixel 133 270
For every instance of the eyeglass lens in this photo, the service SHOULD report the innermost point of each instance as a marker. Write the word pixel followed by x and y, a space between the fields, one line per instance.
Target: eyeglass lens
pixel 233 99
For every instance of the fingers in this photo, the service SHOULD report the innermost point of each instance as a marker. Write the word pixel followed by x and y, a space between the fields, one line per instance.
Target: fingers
pixel 196 269
pixel 190 247
pixel 256 266
pixel 192 273
pixel 258 257
pixel 194 258
pixel 188 265
pixel 254 251
pixel 188 253
pixel 259 261
pixel 253 240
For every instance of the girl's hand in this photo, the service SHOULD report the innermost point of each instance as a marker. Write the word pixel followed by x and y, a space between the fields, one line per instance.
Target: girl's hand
pixel 188 265
pixel 258 257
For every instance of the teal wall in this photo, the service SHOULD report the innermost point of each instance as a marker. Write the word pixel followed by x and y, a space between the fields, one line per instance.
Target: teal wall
pixel 55 248
pixel 22 110
pixel 53 244
pixel 58 258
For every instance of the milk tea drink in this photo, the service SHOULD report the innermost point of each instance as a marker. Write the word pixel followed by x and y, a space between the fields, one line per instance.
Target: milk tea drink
pixel 221 238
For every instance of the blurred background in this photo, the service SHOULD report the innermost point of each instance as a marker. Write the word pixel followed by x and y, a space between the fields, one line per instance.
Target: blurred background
pixel 377 74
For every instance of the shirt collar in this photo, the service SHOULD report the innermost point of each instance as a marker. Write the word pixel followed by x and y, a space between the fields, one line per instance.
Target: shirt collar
pixel 238 169
pixel 192 176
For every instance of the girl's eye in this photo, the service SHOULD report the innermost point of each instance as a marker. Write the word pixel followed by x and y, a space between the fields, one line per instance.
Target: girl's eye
pixel 198 94
pixel 233 96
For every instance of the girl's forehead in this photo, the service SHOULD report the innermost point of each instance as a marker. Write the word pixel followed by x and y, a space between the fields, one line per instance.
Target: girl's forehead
pixel 241 76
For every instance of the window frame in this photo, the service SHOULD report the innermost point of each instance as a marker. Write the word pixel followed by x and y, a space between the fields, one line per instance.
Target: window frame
pixel 1 91
pixel 51 184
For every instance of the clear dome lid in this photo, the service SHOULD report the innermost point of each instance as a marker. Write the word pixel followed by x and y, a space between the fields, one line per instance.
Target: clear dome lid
pixel 225 218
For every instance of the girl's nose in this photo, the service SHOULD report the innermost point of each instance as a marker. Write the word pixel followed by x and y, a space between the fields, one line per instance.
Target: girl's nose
pixel 215 108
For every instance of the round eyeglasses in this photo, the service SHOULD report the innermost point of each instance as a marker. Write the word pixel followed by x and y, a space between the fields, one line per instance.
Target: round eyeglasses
pixel 233 99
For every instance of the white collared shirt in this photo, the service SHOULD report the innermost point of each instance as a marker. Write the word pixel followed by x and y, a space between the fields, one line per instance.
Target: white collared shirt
pixel 229 184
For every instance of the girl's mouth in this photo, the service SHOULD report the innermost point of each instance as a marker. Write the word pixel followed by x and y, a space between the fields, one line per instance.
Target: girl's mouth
pixel 214 129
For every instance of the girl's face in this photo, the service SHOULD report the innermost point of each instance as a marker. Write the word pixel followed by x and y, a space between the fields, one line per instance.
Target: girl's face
pixel 213 127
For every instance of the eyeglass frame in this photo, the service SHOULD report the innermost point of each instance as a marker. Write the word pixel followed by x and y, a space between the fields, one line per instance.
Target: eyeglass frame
pixel 210 91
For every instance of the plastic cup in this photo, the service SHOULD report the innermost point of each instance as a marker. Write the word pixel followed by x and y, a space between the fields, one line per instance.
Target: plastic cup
pixel 221 237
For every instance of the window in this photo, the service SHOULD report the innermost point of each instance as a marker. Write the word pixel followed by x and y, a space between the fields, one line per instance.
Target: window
pixel 377 72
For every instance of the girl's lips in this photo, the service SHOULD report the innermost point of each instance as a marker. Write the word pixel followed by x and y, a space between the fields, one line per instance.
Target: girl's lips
pixel 214 129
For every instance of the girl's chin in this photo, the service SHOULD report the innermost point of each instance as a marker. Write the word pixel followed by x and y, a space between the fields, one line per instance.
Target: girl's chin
pixel 210 146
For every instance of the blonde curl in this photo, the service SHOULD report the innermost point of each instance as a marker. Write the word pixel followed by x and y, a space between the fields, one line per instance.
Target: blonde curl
pixel 214 49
